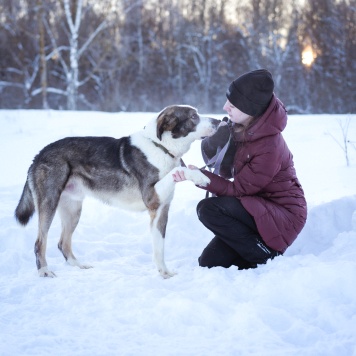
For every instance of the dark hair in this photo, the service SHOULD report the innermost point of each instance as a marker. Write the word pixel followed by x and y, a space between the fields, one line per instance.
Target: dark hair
pixel 240 130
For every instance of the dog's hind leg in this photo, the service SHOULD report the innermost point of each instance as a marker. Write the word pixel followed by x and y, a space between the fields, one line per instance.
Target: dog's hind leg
pixel 69 212
pixel 46 212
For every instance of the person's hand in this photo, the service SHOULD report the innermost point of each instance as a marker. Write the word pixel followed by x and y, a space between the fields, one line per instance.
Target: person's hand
pixel 179 176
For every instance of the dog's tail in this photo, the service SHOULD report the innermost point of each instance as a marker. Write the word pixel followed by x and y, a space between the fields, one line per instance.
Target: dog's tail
pixel 25 207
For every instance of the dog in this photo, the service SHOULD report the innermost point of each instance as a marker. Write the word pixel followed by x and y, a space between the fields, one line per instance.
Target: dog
pixel 133 172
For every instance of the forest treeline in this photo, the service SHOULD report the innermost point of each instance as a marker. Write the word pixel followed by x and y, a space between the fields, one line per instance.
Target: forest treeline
pixel 128 55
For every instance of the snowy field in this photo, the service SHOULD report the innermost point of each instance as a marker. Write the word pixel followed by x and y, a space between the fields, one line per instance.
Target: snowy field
pixel 302 303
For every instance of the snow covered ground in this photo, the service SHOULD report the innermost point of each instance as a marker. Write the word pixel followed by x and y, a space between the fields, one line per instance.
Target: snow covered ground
pixel 302 303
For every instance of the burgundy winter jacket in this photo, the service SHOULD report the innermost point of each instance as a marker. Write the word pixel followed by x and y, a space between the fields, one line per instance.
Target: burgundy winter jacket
pixel 264 179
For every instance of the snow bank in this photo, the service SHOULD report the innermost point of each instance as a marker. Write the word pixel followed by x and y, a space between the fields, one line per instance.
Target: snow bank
pixel 302 303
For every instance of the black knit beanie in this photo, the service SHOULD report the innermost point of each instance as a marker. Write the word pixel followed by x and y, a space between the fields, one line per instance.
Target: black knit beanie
pixel 252 92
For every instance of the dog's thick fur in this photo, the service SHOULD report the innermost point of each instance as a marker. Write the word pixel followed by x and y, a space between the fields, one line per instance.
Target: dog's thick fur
pixel 133 172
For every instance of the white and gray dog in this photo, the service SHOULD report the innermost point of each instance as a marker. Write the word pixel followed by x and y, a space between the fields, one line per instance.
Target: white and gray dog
pixel 133 172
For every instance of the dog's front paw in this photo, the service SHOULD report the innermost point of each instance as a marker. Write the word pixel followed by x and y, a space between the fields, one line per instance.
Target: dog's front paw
pixel 166 274
pixel 196 177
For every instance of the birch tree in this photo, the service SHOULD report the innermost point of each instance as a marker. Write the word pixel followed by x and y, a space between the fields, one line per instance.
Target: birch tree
pixel 69 63
pixel 42 50
pixel 75 51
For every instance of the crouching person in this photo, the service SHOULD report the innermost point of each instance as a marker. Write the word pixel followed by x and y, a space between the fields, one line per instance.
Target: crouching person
pixel 258 206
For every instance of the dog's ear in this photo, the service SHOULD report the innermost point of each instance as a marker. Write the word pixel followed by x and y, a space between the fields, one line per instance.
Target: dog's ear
pixel 160 127
pixel 165 122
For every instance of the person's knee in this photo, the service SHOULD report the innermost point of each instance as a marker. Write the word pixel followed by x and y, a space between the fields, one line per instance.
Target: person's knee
pixel 200 207
pixel 204 209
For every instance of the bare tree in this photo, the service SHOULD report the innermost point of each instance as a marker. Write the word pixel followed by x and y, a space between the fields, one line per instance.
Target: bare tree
pixel 70 63
pixel 19 61
pixel 344 127
pixel 76 51
pixel 141 55
pixel 43 61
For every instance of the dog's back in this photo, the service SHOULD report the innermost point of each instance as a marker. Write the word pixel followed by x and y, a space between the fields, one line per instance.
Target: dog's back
pixel 102 166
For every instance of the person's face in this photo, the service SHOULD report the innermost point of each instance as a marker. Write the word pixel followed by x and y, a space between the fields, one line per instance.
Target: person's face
pixel 235 114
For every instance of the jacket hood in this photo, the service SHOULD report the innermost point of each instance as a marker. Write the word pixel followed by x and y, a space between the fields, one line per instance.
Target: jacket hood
pixel 272 122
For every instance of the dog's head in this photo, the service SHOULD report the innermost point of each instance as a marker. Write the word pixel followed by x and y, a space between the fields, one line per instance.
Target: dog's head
pixel 183 120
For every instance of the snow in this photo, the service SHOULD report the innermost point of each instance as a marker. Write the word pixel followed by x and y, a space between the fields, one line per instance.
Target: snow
pixel 302 303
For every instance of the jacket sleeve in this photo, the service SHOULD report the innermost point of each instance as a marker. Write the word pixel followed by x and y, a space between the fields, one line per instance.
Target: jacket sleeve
pixel 250 180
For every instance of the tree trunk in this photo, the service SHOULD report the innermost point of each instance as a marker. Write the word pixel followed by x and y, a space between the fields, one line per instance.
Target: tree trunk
pixel 74 20
pixel 43 62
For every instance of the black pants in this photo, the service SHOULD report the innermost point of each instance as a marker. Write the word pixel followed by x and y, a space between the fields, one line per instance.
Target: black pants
pixel 237 241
